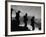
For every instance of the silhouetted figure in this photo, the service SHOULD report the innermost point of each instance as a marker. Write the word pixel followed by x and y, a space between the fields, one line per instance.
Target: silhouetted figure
pixel 17 17
pixel 25 20
pixel 32 22
pixel 11 10
pixel 13 22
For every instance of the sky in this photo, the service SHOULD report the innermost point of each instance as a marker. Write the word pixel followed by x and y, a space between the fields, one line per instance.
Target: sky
pixel 30 10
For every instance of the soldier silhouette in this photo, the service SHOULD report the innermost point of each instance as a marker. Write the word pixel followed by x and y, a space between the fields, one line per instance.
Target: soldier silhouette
pixel 17 17
pixel 32 22
pixel 13 22
pixel 25 20
pixel 11 9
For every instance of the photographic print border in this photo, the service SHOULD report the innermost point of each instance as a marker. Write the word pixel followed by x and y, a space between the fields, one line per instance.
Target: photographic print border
pixel 6 18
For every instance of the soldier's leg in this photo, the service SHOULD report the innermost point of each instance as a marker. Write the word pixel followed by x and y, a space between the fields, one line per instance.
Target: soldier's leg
pixel 33 27
pixel 25 24
pixel 40 28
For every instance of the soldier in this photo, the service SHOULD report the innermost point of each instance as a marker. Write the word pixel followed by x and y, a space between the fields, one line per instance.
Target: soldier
pixel 11 10
pixel 17 17
pixel 25 20
pixel 32 22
